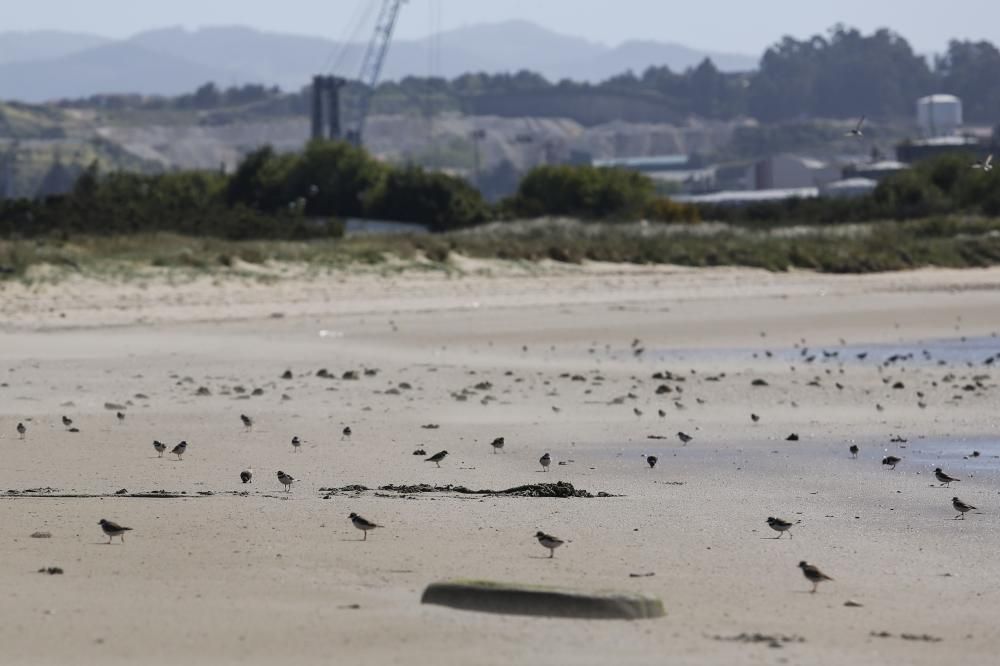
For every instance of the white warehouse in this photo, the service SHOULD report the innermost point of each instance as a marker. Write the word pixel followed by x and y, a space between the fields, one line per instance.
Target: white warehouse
pixel 939 115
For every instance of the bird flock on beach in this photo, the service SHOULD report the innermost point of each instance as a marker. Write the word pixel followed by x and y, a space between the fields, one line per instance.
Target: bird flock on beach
pixel 781 526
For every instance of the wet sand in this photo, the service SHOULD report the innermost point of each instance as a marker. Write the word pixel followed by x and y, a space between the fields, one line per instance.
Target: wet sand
pixel 268 576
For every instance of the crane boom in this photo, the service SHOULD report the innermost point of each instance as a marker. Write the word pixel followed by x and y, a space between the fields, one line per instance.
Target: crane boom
pixel 374 59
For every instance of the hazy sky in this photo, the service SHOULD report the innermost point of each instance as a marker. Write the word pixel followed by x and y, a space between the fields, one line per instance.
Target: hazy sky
pixel 746 26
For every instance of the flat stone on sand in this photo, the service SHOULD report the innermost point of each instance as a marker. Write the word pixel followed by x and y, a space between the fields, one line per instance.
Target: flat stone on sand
pixel 516 599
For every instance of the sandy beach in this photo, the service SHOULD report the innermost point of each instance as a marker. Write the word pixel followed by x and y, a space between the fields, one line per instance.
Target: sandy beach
pixel 555 359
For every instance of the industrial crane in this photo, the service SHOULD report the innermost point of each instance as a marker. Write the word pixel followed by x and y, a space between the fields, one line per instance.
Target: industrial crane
pixel 326 89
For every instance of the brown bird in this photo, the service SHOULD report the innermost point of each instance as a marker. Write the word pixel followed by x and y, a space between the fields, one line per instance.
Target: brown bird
pixel 437 458
pixel 961 507
pixel 813 575
pixel 944 478
pixel 113 530
pixel 363 524
pixel 549 541
pixel 179 450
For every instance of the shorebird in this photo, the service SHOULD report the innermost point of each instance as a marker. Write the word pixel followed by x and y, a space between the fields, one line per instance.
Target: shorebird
pixel 662 414
pixel 363 524
pixel 286 480
pixel 246 476
pixel 854 450
pixel 160 447
pixel 637 411
pixel 814 575
pixel 651 461
pixel 179 450
pixel 247 421
pixel 120 416
pixel 755 418
pixel 986 165
pixel 21 429
pixel 67 421
pixel 780 526
pixel 296 443
pixel 961 507
pixel 497 444
pixel 549 541
pixel 944 478
pixel 684 437
pixel 437 458
pixel 856 132
pixel 346 431
pixel 545 461
pixel 113 530
pixel 891 461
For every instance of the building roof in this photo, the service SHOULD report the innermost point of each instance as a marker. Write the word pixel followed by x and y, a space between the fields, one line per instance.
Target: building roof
pixel 939 99
pixel 649 163
pixel 741 197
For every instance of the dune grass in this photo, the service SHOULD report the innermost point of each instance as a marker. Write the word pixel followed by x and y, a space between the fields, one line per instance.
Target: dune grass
pixel 884 246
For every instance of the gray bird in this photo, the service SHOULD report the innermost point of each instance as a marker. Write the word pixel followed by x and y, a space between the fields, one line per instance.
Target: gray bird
pixel 296 443
pixel 246 476
pixel 891 461
pixel 651 461
pixel 363 524
pixel 67 421
pixel 497 444
pixel 160 447
pixel 549 541
pixel 961 507
pixel 247 421
pixel 856 132
pixel 113 530
pixel 684 437
pixel 179 450
pixel 286 480
pixel 780 526
pixel 545 461
pixel 437 458
pixel 944 478
pixel 854 450
pixel 21 429
pixel 813 575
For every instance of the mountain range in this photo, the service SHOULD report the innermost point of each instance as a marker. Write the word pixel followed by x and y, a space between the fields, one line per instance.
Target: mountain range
pixel 47 65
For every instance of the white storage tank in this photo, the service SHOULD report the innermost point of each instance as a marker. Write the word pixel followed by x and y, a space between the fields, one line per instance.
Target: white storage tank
pixel 939 115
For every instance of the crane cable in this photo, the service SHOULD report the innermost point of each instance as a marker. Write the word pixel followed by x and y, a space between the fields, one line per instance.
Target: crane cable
pixel 352 29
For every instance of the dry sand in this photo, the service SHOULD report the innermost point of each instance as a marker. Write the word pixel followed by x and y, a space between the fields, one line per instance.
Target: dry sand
pixel 272 577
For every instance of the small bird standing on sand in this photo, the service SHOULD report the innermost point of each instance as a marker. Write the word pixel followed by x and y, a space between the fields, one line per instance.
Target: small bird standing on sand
pixel 296 444
pixel 961 507
pixel 813 575
pixel 755 418
pixel 67 421
pixel 363 524
pixel 246 476
pixel 891 461
pixel 120 416
pixel 346 432
pixel 651 461
pixel 549 541
pixel 286 480
pixel 944 478
pixel 856 132
pixel 113 530
pixel 160 447
pixel 545 461
pixel 247 421
pixel 21 429
pixel 780 526
pixel 684 437
pixel 437 458
pixel 854 450
pixel 497 444
pixel 179 450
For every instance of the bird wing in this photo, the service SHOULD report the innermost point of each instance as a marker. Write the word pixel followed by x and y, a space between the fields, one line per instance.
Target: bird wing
pixel 860 123
pixel 989 161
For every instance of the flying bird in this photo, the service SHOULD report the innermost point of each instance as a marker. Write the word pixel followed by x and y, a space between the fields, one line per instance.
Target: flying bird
pixel 549 541
pixel 985 165
pixel 113 530
pixel 812 574
pixel 856 132
pixel 363 524
pixel 437 458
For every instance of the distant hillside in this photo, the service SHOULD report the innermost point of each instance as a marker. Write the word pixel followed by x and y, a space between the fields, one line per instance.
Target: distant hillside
pixel 171 60
pixel 44 44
